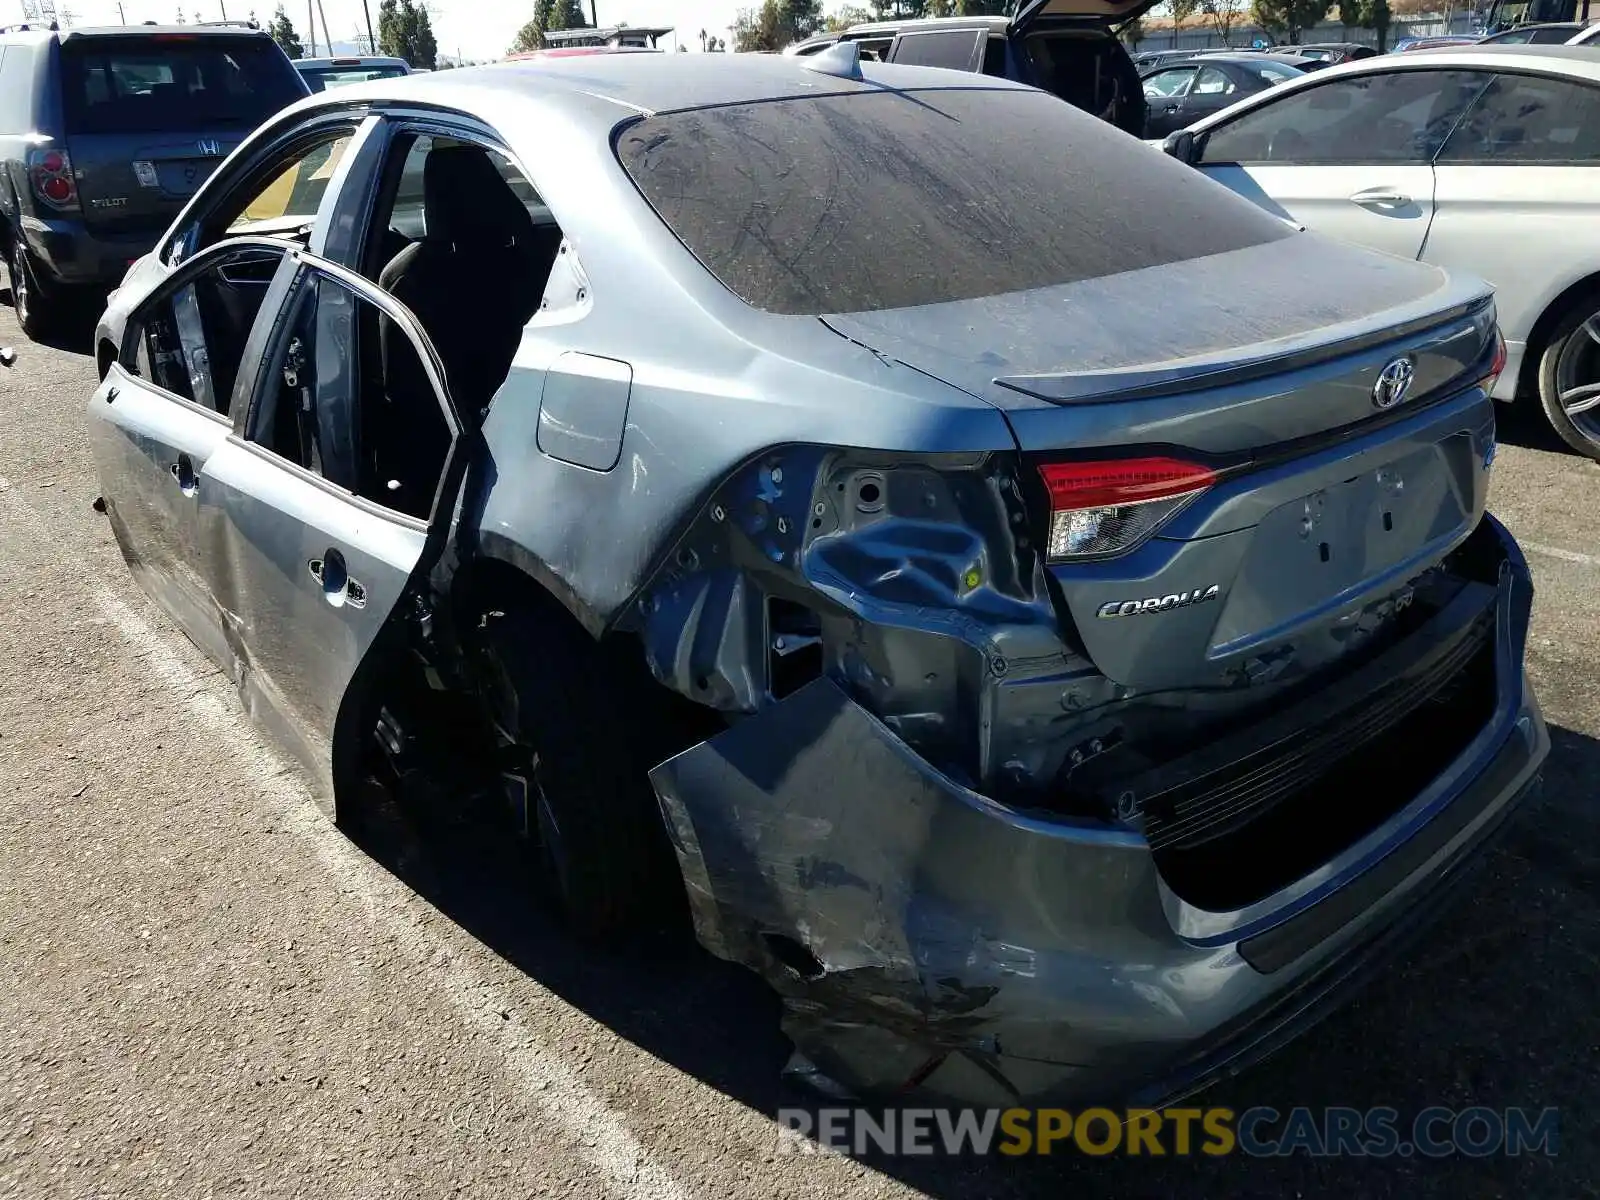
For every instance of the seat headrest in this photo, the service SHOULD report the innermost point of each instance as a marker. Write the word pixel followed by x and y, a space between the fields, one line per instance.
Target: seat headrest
pixel 468 202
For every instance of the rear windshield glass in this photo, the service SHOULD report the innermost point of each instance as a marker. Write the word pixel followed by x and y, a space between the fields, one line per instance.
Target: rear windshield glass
pixel 174 84
pixel 880 199
pixel 320 79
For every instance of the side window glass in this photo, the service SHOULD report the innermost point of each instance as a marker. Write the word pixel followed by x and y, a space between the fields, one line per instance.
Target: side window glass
pixel 449 207
pixel 1212 82
pixel 1399 117
pixel 955 49
pixel 1168 85
pixel 295 190
pixel 373 424
pixel 189 340
pixel 1529 119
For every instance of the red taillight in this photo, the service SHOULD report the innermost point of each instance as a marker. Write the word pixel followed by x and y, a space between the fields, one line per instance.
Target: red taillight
pixel 1497 365
pixel 51 174
pixel 1101 508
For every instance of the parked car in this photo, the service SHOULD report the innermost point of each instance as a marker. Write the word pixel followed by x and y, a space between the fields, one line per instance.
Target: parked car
pixel 1554 34
pixel 1179 94
pixel 1405 45
pixel 1478 159
pixel 1066 47
pixel 1586 36
pixel 1044 698
pixel 321 74
pixel 1334 52
pixel 106 133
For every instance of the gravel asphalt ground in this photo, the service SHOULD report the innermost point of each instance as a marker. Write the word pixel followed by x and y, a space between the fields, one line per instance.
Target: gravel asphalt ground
pixel 205 990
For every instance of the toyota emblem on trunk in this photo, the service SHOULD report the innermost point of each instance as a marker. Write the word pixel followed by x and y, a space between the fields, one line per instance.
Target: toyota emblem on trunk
pixel 210 148
pixel 1394 382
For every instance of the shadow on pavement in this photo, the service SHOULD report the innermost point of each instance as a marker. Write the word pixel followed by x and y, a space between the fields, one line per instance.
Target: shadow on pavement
pixel 1494 1007
pixel 1524 424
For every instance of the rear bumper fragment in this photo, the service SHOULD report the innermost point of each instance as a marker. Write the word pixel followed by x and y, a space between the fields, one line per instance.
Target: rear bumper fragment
pixel 928 941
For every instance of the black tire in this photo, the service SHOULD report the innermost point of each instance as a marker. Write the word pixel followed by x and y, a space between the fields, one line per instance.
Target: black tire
pixel 582 715
pixel 1571 361
pixel 36 311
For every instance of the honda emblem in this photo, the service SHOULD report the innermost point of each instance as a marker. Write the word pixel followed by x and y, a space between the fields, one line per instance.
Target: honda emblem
pixel 210 148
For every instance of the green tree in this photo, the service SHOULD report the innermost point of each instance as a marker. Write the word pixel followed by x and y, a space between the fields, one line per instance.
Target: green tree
pixel 531 35
pixel 756 29
pixel 283 32
pixel 981 8
pixel 1368 14
pixel 850 14
pixel 1132 32
pixel 776 24
pixel 1182 10
pixel 799 18
pixel 1223 15
pixel 1289 17
pixel 406 31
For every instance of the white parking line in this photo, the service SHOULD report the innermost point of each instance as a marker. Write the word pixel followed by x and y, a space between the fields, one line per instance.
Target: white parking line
pixel 1571 556
pixel 597 1133
pixel 594 1131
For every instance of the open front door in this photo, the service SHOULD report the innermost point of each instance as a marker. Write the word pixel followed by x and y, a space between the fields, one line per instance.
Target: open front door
pixel 332 500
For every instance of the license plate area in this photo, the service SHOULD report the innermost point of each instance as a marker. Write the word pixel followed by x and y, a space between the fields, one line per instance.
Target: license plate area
pixel 1325 551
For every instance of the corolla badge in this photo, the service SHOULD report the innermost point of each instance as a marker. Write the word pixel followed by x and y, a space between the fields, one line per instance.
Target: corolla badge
pixel 1394 383
pixel 1159 604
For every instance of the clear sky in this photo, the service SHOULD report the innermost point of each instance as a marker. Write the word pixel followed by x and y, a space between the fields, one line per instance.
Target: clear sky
pixel 478 29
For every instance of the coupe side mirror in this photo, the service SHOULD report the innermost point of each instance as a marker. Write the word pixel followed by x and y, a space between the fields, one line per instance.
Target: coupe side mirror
pixel 1182 146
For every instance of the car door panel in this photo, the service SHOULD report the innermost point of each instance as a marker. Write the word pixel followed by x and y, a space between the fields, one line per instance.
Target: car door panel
pixel 1387 207
pixel 1349 156
pixel 298 626
pixel 149 449
pixel 309 573
pixel 1164 93
pixel 151 444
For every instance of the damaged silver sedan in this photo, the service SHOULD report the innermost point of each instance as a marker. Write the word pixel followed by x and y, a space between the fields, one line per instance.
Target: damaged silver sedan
pixel 944 549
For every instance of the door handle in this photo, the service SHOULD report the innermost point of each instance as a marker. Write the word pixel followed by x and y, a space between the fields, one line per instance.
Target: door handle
pixel 183 473
pixel 1381 197
pixel 338 589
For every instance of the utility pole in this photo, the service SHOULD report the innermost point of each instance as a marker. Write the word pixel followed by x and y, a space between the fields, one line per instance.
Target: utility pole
pixel 594 14
pixel 326 36
pixel 311 24
pixel 371 41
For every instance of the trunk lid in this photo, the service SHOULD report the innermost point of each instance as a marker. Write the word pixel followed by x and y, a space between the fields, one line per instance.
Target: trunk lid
pixel 149 117
pixel 1324 506
pixel 1108 12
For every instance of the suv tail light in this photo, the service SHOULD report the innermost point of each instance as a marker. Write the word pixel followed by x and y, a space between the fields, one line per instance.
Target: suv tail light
pixel 50 173
pixel 1103 508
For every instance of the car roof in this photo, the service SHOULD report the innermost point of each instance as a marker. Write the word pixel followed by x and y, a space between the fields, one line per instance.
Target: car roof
pixel 41 33
pixel 1557 60
pixel 993 24
pixel 352 60
pixel 650 83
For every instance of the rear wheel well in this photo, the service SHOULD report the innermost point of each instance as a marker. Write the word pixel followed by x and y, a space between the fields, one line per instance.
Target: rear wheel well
pixel 1587 288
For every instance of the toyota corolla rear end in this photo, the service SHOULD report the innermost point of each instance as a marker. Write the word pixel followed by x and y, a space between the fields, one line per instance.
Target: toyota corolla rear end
pixel 1096 766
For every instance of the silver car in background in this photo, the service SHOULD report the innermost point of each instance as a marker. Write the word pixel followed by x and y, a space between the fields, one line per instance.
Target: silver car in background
pixel 1032 606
